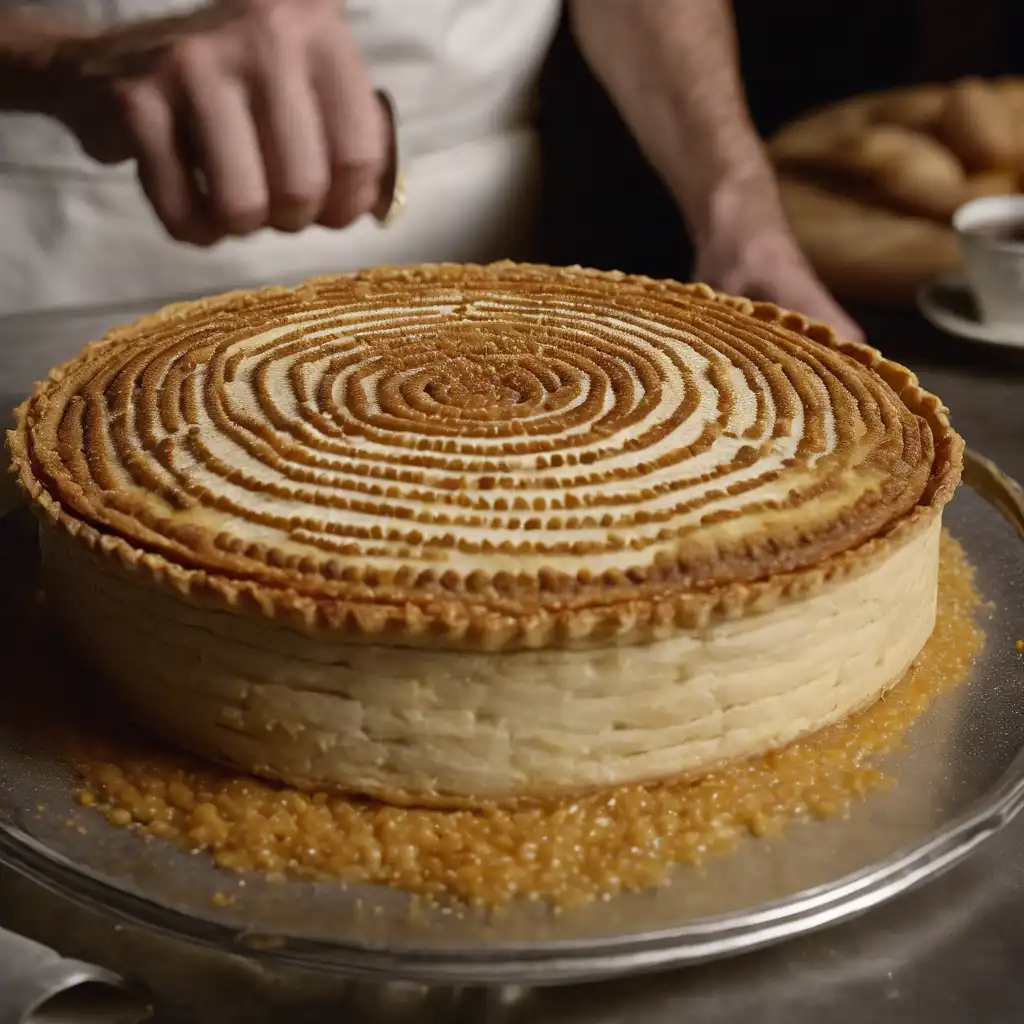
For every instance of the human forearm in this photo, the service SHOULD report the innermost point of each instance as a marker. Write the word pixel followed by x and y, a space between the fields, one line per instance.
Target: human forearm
pixel 671 68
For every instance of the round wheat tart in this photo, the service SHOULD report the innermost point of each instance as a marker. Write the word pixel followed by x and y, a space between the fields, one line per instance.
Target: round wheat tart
pixel 454 534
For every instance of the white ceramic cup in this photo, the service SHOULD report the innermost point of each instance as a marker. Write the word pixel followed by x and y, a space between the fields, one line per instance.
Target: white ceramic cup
pixel 993 266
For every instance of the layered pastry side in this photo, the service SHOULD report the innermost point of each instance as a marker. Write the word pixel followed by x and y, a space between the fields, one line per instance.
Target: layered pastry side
pixel 456 534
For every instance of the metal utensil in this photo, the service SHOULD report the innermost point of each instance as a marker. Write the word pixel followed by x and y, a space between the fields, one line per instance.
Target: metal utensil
pixel 33 979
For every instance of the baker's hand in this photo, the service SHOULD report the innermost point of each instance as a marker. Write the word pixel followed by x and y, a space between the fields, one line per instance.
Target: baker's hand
pixel 749 250
pixel 245 115
pixel 770 267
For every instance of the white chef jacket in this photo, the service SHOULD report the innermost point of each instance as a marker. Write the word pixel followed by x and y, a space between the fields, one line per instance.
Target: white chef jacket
pixel 462 75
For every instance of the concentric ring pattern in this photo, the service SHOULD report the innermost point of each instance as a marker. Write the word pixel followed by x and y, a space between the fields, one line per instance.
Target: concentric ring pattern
pixel 501 434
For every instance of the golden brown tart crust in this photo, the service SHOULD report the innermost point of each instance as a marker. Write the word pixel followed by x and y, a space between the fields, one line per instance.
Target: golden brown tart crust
pixel 407 420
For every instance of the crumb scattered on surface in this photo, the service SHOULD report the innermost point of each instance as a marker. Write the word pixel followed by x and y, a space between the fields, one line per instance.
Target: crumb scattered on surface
pixel 565 853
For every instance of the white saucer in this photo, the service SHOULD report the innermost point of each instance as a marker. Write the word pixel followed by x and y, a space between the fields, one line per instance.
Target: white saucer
pixel 947 303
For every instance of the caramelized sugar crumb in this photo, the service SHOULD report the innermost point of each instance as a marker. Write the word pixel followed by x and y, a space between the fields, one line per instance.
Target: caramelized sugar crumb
pixel 565 853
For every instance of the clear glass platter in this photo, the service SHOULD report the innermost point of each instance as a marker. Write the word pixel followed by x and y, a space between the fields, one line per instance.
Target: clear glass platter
pixel 960 780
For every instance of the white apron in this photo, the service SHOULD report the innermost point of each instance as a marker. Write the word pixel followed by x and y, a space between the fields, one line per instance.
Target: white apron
pixel 462 73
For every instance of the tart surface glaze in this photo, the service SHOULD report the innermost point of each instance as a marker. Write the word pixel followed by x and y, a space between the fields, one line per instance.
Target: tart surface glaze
pixel 400 447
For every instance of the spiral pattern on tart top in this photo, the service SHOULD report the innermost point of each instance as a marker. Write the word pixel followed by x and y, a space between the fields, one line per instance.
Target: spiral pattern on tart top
pixel 515 437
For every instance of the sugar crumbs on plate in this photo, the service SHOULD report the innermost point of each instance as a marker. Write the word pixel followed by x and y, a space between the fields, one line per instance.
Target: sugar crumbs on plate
pixel 566 853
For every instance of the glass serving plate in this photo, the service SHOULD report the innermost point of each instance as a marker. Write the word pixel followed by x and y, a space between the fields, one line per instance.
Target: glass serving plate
pixel 960 780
